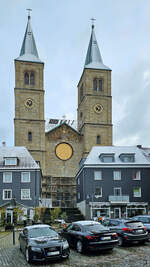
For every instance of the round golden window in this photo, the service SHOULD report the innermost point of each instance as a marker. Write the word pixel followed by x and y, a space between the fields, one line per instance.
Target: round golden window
pixel 64 151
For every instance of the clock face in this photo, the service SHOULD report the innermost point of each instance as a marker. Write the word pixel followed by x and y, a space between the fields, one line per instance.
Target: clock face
pixel 98 108
pixel 64 151
pixel 29 103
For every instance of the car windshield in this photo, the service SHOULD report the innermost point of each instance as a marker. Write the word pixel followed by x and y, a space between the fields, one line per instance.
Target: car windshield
pixel 41 231
pixel 94 227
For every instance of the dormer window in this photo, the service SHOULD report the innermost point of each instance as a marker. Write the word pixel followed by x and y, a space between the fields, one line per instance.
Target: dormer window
pixel 108 157
pixel 98 84
pixel 127 157
pixel 29 78
pixel 10 161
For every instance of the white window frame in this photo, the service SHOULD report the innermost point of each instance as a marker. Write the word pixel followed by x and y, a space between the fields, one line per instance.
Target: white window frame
pixel 97 196
pixel 137 174
pixel 134 193
pixel 97 176
pixel 22 193
pixel 117 175
pixel 4 177
pixel 9 163
pixel 22 177
pixel 116 188
pixel 4 190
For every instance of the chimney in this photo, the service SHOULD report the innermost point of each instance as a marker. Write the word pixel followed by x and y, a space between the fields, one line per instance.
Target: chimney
pixel 3 143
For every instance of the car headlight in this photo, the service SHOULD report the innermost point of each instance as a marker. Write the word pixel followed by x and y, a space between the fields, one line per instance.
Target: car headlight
pixel 36 249
pixel 65 244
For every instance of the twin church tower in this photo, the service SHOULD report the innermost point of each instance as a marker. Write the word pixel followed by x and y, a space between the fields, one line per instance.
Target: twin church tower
pixel 60 149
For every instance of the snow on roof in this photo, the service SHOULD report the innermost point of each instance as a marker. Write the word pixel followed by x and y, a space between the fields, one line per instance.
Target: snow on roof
pixel 25 159
pixel 141 156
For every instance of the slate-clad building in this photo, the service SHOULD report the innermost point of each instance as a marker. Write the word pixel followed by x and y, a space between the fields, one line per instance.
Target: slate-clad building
pixel 114 181
pixel 20 179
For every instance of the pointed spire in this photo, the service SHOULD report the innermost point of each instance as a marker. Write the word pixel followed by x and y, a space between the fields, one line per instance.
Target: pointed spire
pixel 93 57
pixel 28 50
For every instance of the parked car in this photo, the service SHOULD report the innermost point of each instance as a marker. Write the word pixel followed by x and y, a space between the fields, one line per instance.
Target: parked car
pixel 89 235
pixel 145 219
pixel 41 242
pixel 128 230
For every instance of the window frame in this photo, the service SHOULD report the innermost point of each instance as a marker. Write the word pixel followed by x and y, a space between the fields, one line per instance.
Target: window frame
pixel 98 195
pixel 4 190
pixel 23 190
pixel 137 177
pixel 139 191
pixel 116 188
pixel 10 164
pixel 4 177
pixel 29 77
pixel 114 177
pixel 96 84
pixel 95 178
pixel 22 173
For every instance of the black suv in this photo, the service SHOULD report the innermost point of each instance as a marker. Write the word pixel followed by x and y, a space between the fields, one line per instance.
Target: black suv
pixel 128 230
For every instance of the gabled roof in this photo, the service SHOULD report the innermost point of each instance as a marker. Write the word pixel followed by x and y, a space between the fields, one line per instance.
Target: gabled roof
pixel 25 160
pixel 93 58
pixel 28 50
pixel 141 158
pixel 60 125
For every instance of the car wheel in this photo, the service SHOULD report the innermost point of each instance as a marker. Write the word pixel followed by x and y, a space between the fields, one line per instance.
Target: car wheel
pixel 28 257
pixel 79 246
pixel 149 236
pixel 120 241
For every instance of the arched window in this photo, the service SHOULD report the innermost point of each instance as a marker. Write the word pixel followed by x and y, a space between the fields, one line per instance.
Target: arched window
pixel 29 136
pixel 32 80
pixel 98 139
pixel 26 78
pixel 97 84
pixel 29 78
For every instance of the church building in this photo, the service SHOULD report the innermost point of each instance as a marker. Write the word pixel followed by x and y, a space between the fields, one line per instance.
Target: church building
pixel 60 149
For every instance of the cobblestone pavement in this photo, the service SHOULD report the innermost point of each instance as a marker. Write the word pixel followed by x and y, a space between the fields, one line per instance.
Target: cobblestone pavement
pixel 135 255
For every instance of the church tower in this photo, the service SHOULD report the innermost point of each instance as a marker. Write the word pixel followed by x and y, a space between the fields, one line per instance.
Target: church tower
pixel 94 100
pixel 29 123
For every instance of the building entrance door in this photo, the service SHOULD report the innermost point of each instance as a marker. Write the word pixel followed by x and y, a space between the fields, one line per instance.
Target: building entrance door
pixel 117 213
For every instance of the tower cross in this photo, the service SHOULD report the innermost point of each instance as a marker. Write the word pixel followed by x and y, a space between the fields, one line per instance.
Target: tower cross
pixel 92 19
pixel 29 10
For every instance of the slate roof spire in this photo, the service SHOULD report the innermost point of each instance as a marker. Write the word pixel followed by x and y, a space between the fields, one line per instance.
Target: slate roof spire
pixel 28 50
pixel 93 57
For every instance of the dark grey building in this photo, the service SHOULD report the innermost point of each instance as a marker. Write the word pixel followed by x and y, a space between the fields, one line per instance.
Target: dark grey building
pixel 114 181
pixel 20 180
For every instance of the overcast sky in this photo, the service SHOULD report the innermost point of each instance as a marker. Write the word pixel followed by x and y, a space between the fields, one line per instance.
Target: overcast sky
pixel 62 31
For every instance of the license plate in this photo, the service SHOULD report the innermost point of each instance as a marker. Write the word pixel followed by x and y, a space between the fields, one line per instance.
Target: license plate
pixel 105 238
pixel 139 231
pixel 53 253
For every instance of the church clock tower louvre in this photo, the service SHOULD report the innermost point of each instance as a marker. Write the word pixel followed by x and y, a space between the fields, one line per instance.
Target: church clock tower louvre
pixel 29 123
pixel 94 100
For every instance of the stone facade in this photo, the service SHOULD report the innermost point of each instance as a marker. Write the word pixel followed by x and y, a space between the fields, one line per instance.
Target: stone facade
pixel 92 124
pixel 58 168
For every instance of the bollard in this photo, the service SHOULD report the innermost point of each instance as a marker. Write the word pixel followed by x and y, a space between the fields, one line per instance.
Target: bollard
pixel 13 230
